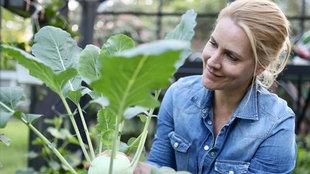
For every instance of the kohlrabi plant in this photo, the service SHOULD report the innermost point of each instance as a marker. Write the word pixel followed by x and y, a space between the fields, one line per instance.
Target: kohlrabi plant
pixel 124 79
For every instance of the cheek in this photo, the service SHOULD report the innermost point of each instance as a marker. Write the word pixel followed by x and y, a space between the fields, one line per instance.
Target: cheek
pixel 205 54
pixel 243 73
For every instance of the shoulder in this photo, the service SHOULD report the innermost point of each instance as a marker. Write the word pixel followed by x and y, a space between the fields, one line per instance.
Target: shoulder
pixel 190 82
pixel 272 105
pixel 188 90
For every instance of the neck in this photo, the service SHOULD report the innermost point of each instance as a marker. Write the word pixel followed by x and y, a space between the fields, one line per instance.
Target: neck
pixel 227 100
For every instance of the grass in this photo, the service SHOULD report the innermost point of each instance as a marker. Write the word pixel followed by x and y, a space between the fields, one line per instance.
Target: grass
pixel 13 157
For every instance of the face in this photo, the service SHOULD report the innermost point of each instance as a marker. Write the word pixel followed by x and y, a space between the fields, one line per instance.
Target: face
pixel 228 62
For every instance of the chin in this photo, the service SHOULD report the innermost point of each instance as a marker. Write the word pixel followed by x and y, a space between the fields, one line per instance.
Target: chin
pixel 208 84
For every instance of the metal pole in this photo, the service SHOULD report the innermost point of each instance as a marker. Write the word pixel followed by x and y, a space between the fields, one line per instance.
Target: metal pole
pixel 159 19
pixel 303 13
pixel 88 21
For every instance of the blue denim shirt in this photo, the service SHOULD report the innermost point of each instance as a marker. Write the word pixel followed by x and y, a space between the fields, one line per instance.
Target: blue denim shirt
pixel 258 138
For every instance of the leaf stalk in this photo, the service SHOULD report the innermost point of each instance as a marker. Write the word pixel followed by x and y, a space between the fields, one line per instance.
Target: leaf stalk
pixel 50 145
pixel 144 134
pixel 75 127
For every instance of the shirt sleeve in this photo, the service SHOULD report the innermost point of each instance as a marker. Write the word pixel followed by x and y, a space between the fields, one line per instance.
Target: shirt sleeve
pixel 277 154
pixel 162 153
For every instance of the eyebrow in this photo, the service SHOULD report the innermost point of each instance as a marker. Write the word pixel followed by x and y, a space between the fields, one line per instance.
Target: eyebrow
pixel 227 50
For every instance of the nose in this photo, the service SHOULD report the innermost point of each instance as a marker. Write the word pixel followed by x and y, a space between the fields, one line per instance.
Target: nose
pixel 214 61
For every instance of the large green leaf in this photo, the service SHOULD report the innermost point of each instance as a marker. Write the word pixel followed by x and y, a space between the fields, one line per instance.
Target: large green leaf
pixel 116 44
pixel 184 31
pixel 10 96
pixel 55 81
pixel 89 65
pixel 56 48
pixel 16 52
pixel 130 78
pixel 4 118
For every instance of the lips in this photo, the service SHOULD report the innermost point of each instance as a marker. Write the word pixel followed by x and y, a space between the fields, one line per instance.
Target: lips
pixel 211 74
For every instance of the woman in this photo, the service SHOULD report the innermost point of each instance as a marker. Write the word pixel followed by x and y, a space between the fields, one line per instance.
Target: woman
pixel 226 121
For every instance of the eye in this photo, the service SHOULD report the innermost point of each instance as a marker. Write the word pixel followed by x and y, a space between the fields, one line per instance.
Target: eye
pixel 212 42
pixel 232 57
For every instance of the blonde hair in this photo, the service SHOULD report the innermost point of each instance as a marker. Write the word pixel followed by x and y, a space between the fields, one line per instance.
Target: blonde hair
pixel 267 29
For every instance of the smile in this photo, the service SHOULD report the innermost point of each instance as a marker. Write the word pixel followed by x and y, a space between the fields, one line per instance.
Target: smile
pixel 211 74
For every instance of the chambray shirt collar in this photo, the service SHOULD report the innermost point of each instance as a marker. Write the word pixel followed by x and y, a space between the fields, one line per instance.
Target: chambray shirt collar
pixel 248 108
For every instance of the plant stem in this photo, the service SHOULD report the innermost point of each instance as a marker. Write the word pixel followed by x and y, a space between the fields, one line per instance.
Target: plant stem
pixel 75 127
pixel 46 141
pixel 51 146
pixel 6 107
pixel 115 143
pixel 144 134
pixel 100 147
pixel 90 144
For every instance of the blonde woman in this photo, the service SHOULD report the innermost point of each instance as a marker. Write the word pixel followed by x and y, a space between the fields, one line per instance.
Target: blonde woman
pixel 226 120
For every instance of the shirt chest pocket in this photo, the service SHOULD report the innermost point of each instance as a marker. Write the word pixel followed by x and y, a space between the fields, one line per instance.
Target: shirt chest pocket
pixel 181 148
pixel 231 167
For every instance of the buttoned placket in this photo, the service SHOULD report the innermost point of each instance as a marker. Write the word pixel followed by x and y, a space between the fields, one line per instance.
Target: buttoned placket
pixel 210 148
pixel 209 153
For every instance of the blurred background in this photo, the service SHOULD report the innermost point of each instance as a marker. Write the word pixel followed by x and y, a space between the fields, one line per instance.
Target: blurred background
pixel 93 21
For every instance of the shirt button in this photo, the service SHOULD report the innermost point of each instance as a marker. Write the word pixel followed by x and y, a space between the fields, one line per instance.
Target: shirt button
pixel 204 111
pixel 206 148
pixel 175 145
pixel 212 153
pixel 209 122
pixel 231 172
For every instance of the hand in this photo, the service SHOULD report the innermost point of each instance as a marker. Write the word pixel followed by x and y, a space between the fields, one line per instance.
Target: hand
pixel 143 168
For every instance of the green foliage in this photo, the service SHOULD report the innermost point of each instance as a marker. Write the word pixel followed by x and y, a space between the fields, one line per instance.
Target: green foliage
pixel 303 157
pixel 106 127
pixel 55 48
pixel 116 44
pixel 122 77
pixel 9 99
pixel 62 138
pixel 130 83
pixel 183 31
pixel 48 73
pixel 90 56
pixel 15 27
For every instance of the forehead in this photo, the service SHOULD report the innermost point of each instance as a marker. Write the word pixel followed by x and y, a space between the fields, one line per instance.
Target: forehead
pixel 230 36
